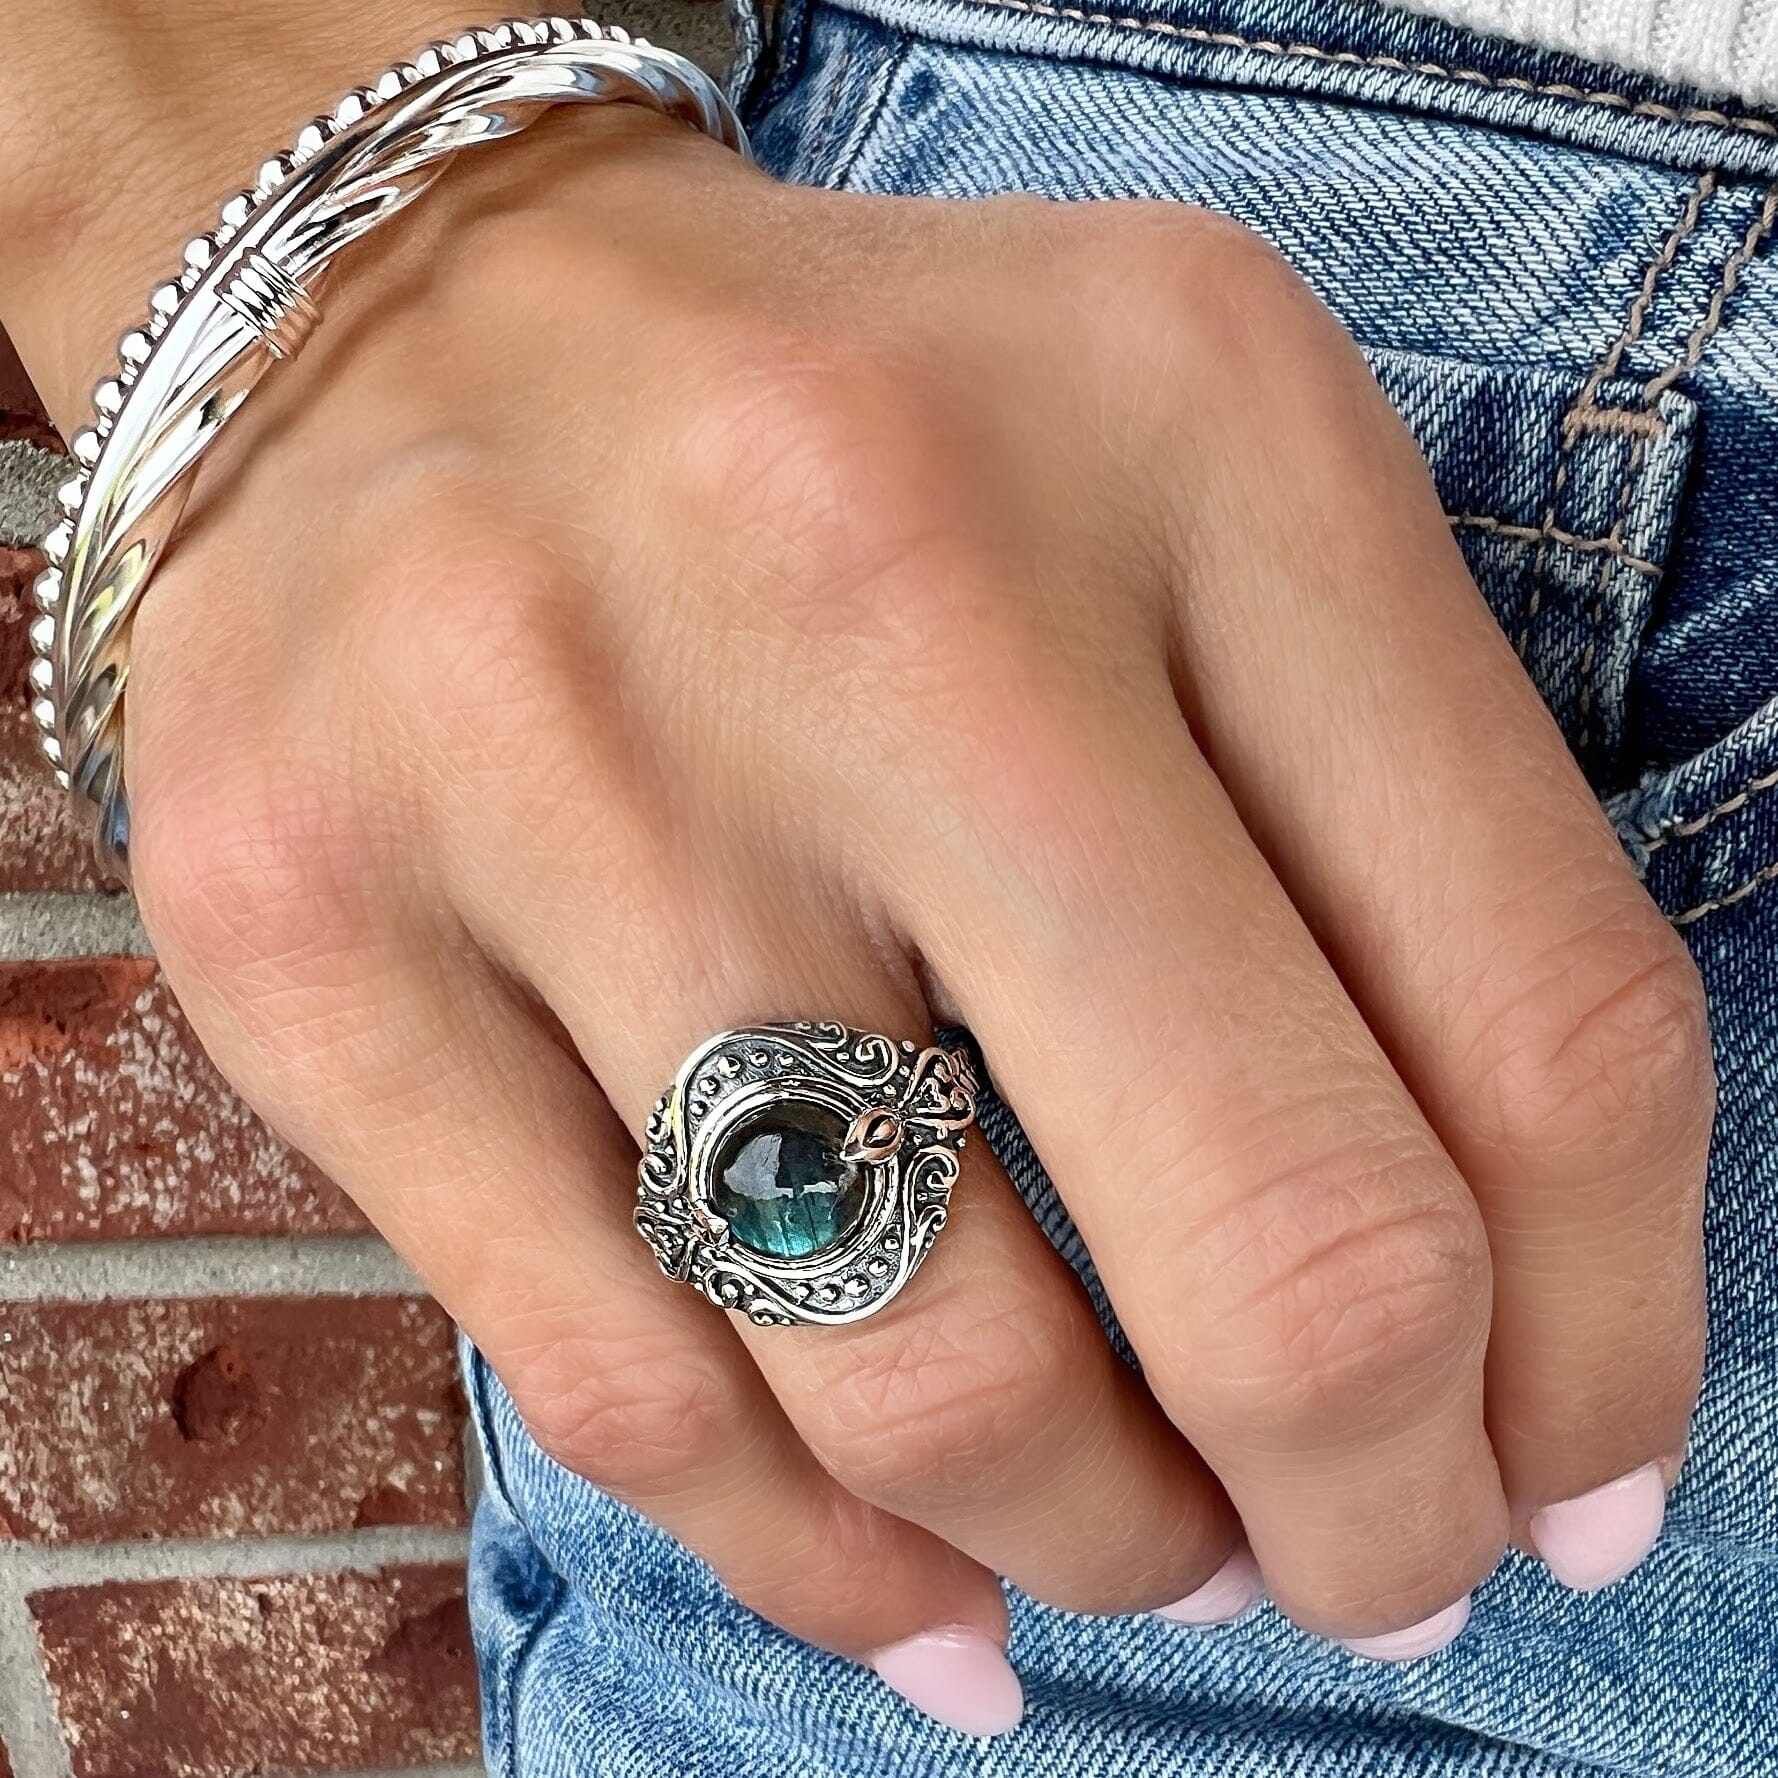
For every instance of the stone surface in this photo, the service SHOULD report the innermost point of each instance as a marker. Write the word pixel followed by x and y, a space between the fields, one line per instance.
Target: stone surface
pixel 247 1417
pixel 212 1678
pixel 30 480
pixel 695 28
pixel 115 1125
pixel 781 1184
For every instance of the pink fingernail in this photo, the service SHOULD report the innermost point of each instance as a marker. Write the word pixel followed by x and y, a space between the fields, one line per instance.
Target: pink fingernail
pixel 1234 1588
pixel 1597 1538
pixel 1427 1638
pixel 957 1676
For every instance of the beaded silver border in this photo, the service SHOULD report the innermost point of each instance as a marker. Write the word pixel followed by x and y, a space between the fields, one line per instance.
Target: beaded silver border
pixel 908 1109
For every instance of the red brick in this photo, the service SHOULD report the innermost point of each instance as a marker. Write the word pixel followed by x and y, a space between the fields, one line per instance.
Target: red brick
pixel 114 1124
pixel 238 1418
pixel 21 412
pixel 305 1673
pixel 5 1762
pixel 41 845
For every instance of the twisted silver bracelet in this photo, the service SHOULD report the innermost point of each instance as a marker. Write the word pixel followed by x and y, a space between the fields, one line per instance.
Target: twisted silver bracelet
pixel 245 300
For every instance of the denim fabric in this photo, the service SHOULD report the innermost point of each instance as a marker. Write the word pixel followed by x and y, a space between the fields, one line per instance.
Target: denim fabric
pixel 1566 281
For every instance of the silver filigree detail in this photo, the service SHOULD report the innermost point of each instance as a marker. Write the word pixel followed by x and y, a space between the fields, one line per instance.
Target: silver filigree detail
pixel 908 1110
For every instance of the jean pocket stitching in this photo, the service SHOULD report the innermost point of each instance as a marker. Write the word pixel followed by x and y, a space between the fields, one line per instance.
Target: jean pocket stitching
pixel 1755 237
pixel 1312 52
pixel 870 115
pixel 1701 833
pixel 1585 418
pixel 1730 805
pixel 1591 690
pixel 1588 419
pixel 1554 535
pixel 1760 878
pixel 1657 268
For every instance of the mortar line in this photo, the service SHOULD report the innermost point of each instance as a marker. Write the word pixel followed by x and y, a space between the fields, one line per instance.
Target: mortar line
pixel 204 1266
pixel 29 1726
pixel 29 477
pixel 34 1567
pixel 39 925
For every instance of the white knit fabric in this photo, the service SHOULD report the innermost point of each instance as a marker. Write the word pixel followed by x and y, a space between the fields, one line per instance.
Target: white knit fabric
pixel 1723 46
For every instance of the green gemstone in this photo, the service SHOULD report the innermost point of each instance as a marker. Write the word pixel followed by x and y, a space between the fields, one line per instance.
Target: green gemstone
pixel 781 1184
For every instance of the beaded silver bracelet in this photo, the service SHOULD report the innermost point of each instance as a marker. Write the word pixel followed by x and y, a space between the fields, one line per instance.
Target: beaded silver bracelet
pixel 245 300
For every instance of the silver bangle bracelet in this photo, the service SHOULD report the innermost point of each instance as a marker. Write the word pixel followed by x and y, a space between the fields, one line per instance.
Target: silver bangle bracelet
pixel 244 300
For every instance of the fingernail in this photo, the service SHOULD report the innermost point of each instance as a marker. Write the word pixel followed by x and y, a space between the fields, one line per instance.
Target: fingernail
pixel 1234 1588
pixel 956 1675
pixel 1427 1638
pixel 1596 1538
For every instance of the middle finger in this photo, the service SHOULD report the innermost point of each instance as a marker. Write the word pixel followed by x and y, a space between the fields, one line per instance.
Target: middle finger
pixel 985 1404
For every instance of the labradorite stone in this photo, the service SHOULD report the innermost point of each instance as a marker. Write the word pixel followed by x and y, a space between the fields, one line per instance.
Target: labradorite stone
pixel 781 1184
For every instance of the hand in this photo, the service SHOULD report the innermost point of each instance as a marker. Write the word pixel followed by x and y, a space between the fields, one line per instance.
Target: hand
pixel 659 601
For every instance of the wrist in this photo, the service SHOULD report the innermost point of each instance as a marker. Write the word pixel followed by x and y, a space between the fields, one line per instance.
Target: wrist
pixel 121 129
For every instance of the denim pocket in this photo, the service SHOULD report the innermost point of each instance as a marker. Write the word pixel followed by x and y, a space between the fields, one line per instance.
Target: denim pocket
pixel 1547 285
pixel 607 1650
pixel 1705 834
pixel 1566 531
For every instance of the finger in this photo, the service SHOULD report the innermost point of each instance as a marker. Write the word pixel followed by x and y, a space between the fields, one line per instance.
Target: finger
pixel 1294 1258
pixel 476 1142
pixel 1456 868
pixel 985 1404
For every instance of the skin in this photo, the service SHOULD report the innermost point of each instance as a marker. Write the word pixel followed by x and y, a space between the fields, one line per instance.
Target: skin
pixel 659 600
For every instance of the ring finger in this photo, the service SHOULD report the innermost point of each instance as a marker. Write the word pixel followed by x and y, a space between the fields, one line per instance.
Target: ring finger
pixel 986 1405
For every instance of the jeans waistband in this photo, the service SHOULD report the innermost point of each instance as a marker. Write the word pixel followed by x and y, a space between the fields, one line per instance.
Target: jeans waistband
pixel 1367 51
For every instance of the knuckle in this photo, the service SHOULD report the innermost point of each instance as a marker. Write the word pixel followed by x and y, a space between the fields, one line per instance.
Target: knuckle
pixel 459 617
pixel 632 1423
pixel 250 877
pixel 1174 273
pixel 1215 326
pixel 946 1406
pixel 1338 1290
pixel 836 482
pixel 1607 1053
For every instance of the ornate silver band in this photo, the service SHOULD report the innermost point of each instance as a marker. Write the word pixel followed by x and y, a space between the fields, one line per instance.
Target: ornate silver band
pixel 244 300
pixel 799 1172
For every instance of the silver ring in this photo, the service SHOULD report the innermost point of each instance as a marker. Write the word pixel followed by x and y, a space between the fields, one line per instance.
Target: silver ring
pixel 799 1172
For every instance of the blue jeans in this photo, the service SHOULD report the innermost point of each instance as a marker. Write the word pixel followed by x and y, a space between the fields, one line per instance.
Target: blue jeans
pixel 1565 279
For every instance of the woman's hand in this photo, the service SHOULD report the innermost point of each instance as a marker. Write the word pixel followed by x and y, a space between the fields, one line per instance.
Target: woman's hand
pixel 660 601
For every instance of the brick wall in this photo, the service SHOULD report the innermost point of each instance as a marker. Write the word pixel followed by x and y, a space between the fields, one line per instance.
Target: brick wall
pixel 232 1470
pixel 232 1461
